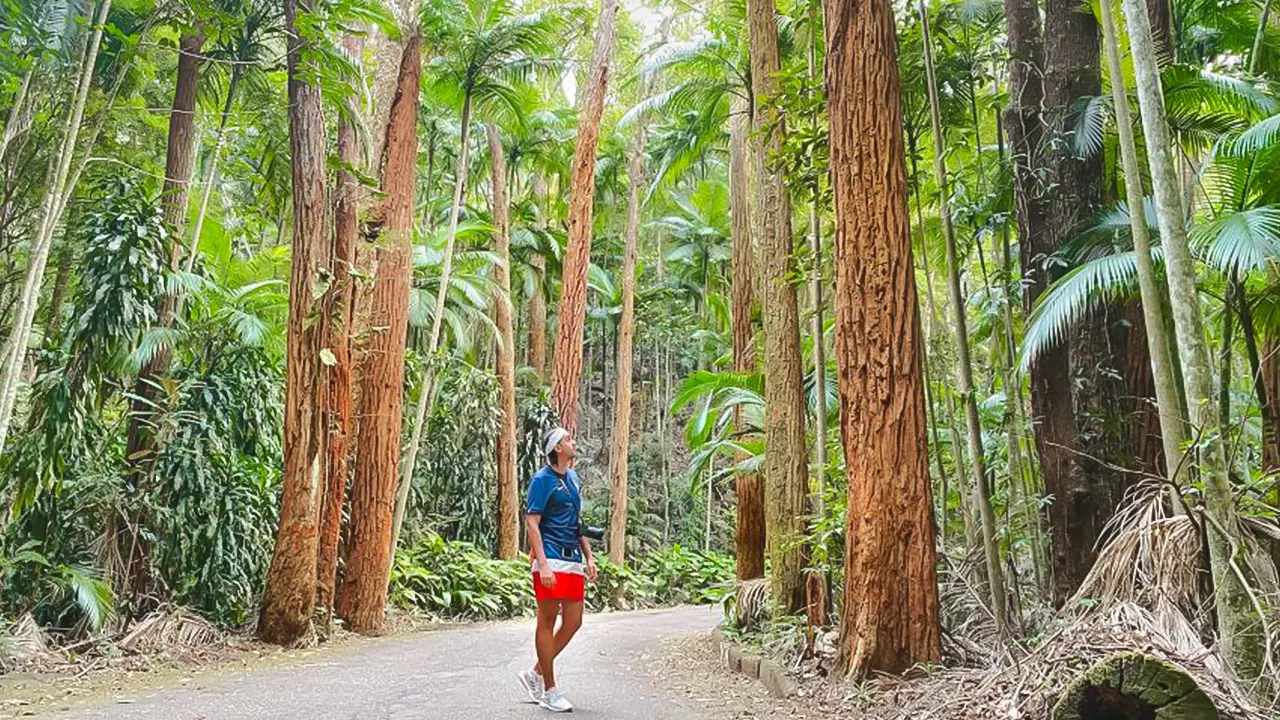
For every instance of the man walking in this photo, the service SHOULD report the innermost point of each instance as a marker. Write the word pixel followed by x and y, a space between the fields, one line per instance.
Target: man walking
pixel 561 562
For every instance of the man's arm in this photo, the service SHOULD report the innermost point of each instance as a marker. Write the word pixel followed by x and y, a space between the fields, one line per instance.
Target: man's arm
pixel 589 557
pixel 547 577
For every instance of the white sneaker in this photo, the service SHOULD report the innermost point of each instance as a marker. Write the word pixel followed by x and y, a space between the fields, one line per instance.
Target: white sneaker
pixel 554 701
pixel 532 684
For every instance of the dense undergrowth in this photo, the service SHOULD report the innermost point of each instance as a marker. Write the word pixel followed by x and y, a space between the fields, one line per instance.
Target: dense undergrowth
pixel 459 580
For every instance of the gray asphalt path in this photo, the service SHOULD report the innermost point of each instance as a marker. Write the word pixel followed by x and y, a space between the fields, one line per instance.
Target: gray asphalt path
pixel 464 673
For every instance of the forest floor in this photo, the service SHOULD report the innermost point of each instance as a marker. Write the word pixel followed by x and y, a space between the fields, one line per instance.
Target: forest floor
pixel 661 664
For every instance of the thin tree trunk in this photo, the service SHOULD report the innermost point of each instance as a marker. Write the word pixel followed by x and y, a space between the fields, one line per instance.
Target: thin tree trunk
pixel 340 311
pixel 619 460
pixel 1172 430
pixel 890 610
pixel 538 303
pixel 427 391
pixel 363 597
pixel 786 472
pixel 816 331
pixel 1241 637
pixel 289 598
pixel 977 464
pixel 211 172
pixel 750 537
pixel 18 112
pixel 570 325
pixel 15 348
pixel 1263 19
pixel 508 493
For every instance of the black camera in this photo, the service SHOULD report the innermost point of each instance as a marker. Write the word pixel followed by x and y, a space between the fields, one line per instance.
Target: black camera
pixel 591 533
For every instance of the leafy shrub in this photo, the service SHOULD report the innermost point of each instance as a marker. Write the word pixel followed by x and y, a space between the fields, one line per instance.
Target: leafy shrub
pixel 680 575
pixel 217 481
pixel 459 580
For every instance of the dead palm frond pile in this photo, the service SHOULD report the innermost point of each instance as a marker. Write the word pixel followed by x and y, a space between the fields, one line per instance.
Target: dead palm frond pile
pixel 171 630
pixel 1143 595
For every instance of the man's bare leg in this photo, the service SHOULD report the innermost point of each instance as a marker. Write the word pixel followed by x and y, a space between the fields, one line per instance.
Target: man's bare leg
pixel 544 641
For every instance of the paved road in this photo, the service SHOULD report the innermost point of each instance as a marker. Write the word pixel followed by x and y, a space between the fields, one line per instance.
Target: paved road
pixel 465 673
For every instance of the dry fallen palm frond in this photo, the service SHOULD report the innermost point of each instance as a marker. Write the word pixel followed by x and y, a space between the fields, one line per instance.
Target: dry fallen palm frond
pixel 1150 557
pixel 26 644
pixel 170 629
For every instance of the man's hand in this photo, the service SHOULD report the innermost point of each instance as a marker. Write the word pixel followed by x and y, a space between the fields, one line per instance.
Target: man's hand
pixel 547 577
pixel 591 569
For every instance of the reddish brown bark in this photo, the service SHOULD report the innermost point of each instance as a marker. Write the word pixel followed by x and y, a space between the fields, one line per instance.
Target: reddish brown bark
pixel 786 467
pixel 508 493
pixel 750 540
pixel 339 309
pixel 289 598
pixel 890 607
pixel 566 374
pixel 619 460
pixel 389 237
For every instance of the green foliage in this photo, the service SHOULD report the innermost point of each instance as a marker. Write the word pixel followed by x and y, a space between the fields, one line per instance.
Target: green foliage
pixel 215 513
pixel 455 480
pixel 679 575
pixel 459 580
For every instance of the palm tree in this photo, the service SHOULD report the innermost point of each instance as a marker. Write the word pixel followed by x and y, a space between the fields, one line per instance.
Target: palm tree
pixel 487 51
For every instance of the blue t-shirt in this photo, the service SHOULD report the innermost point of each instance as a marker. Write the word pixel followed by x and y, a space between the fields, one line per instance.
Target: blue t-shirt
pixel 558 500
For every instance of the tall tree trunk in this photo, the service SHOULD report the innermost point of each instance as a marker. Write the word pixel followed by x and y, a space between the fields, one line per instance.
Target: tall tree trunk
pixel 977 460
pixel 786 469
pixel 619 460
pixel 570 324
pixel 340 310
pixel 289 598
pixel 1084 498
pixel 179 160
pixel 538 303
pixel 750 540
pixel 890 617
pixel 362 599
pixel 1151 285
pixel 1242 639
pixel 508 493
pixel 427 391
pixel 14 352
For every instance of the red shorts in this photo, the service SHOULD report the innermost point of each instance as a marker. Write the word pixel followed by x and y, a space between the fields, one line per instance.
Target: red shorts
pixel 570 587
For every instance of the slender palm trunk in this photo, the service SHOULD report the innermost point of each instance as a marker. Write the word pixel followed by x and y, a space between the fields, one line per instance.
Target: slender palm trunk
pixel 618 459
pixel 1263 19
pixel 18 112
pixel 816 331
pixel 427 391
pixel 51 206
pixel 363 595
pixel 570 324
pixel 1239 625
pixel 211 172
pixel 1172 430
pixel 508 494
pixel 537 344
pixel 289 598
pixel 977 464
